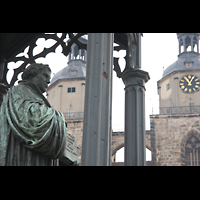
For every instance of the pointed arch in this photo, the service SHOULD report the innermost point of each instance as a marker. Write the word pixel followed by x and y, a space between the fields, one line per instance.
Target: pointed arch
pixel 188 43
pixel 190 145
pixel 195 44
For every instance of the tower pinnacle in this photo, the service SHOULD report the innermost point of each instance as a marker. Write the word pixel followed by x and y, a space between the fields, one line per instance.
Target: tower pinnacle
pixel 188 42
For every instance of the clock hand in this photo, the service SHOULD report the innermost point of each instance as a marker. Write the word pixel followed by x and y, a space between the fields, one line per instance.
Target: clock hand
pixel 191 81
pixel 187 80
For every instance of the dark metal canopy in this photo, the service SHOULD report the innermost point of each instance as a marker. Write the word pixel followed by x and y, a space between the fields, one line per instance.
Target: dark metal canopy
pixel 11 44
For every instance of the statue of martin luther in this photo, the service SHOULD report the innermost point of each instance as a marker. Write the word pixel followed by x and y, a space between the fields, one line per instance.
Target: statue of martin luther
pixel 31 132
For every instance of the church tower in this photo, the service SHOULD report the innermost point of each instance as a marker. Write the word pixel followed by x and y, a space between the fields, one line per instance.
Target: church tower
pixel 67 88
pixel 66 92
pixel 180 84
pixel 175 131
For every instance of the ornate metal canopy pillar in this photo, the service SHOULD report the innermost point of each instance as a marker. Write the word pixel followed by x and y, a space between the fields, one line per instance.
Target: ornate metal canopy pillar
pixel 98 98
pixel 134 79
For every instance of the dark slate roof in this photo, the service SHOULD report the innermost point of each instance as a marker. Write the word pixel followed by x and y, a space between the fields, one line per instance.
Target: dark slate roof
pixel 75 69
pixel 180 65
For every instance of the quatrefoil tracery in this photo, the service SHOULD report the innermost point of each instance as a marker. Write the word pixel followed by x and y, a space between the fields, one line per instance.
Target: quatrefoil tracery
pixel 61 42
pixel 29 55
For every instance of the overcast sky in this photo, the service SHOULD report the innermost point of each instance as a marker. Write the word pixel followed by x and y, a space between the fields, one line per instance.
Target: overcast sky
pixel 158 50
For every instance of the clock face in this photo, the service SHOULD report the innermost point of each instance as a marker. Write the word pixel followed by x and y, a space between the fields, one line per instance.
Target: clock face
pixel 189 84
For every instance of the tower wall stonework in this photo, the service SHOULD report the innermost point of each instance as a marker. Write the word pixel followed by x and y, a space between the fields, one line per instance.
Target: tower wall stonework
pixel 178 91
pixel 169 134
pixel 75 127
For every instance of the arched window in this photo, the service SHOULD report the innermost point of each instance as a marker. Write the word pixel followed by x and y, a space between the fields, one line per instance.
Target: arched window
pixel 188 43
pixel 76 52
pixel 192 151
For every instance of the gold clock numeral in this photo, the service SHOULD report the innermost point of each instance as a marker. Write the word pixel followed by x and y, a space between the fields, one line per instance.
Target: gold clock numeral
pixel 182 80
pixel 181 84
pixel 182 87
pixel 196 86
pixel 194 89
pixel 190 90
pixel 189 76
pixel 197 82
pixel 196 79
pixel 185 90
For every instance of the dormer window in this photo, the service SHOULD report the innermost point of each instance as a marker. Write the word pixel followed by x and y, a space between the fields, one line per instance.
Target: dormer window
pixel 73 73
pixel 188 65
pixel 188 62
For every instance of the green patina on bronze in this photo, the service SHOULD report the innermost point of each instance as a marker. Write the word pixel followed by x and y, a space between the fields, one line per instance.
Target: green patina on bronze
pixel 31 132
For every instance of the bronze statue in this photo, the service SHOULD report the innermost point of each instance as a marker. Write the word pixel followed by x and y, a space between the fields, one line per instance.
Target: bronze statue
pixel 31 132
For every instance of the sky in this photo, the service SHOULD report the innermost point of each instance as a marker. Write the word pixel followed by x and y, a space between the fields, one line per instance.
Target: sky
pixel 158 50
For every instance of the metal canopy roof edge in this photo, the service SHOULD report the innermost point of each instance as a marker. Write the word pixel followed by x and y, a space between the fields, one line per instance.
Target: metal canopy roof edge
pixel 13 43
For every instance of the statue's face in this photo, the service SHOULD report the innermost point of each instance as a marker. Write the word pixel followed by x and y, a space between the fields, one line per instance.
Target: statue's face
pixel 42 80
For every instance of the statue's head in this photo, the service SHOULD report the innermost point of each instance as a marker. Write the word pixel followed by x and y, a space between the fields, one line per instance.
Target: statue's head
pixel 39 74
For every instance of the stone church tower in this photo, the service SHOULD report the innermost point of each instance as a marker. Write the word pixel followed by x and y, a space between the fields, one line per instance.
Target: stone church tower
pixel 175 132
pixel 66 92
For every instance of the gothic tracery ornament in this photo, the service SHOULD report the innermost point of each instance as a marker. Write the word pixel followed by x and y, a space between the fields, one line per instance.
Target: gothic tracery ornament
pixel 29 55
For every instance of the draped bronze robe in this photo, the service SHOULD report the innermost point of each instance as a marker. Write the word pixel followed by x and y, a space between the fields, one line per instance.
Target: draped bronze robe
pixel 31 132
